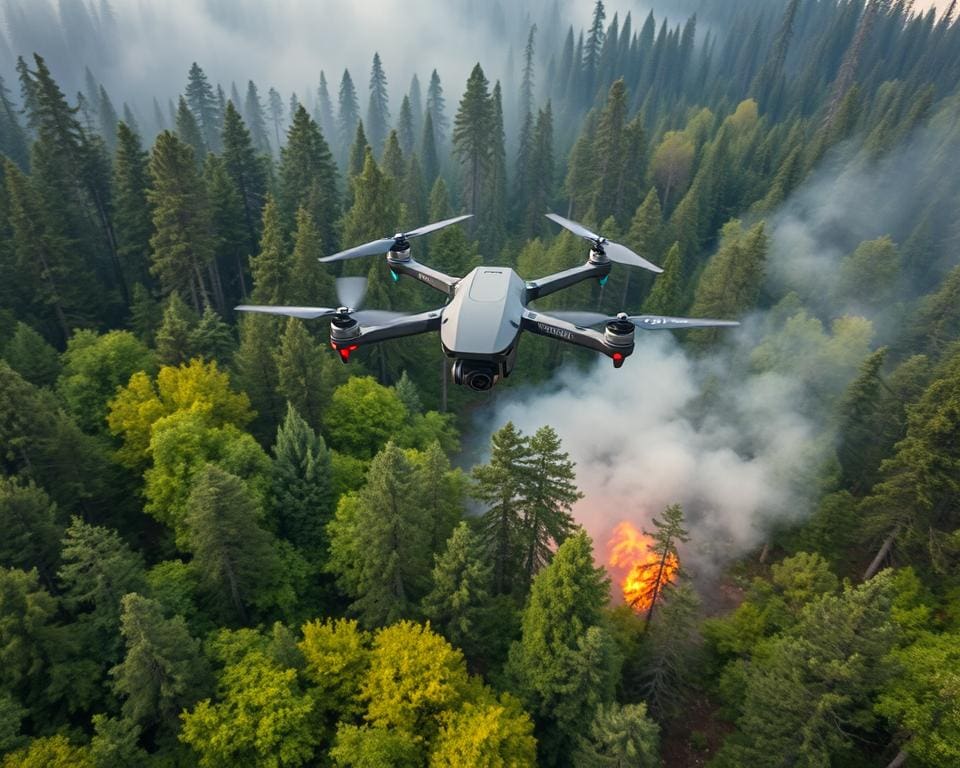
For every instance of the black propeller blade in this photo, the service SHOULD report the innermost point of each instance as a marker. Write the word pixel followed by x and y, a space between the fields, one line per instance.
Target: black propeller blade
pixel 647 322
pixel 614 251
pixel 350 293
pixel 396 243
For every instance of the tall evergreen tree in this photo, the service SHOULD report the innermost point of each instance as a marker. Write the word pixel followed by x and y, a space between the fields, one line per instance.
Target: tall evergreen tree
pixel 416 105
pixel 202 101
pixel 300 372
pixel 271 266
pixel 591 52
pixel 323 115
pixel 436 108
pixel 301 500
pixel 31 530
pixel 108 120
pixel 247 172
pixel 405 131
pixel 181 242
pixel 494 207
pixel 132 215
pixel 308 179
pixel 254 117
pixel 472 138
pixel 238 562
pixel 428 151
pixel 189 132
pixel 348 115
pixel 666 535
pixel 275 112
pixel 378 111
pixel 13 139
pixel 666 297
pixel 500 483
pixel 163 671
pixel 310 284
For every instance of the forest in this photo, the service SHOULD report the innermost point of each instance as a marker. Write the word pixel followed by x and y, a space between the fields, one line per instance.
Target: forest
pixel 222 547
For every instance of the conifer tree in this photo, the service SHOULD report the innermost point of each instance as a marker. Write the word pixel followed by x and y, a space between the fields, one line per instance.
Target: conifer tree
pixel 202 101
pixel 546 499
pixel 163 671
pixel 666 535
pixel 32 357
pixel 428 151
pixel 565 664
pixel 275 111
pixel 256 121
pixel 348 116
pixel 494 203
pixel 13 139
pixel 378 112
pixel 472 138
pixel 578 184
pixel 108 120
pixel 300 372
pixel 460 599
pixel 323 116
pixel 392 164
pixel 132 216
pixel 181 242
pixel 247 172
pixel 355 160
pixel 500 483
pixel 271 266
pixel 308 178
pixel 620 735
pixel 591 52
pixel 413 192
pixel 671 646
pixel 310 284
pixel 375 206
pixel 379 544
pixel 256 366
pixel 228 281
pixel 666 297
pixel 302 499
pixel 211 338
pixel 31 530
pixel 416 106
pixel 436 108
pixel 405 131
pixel 238 562
pixel 175 334
pixel 189 132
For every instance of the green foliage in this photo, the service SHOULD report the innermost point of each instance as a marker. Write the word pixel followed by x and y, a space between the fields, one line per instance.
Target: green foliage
pixel 50 752
pixel 261 718
pixel 620 735
pixel 565 665
pixel 32 531
pixel 492 733
pixel 94 368
pixel 336 655
pixel 116 743
pixel 301 372
pixel 30 356
pixel 362 416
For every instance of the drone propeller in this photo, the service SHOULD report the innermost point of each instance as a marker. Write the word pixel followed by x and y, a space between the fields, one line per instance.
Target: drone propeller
pixel 350 293
pixel 614 251
pixel 396 243
pixel 647 322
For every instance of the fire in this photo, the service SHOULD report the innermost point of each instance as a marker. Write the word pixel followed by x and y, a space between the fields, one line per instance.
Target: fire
pixel 632 556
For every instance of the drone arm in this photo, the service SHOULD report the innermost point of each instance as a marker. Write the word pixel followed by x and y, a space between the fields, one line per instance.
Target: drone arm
pixel 409 326
pixel 435 279
pixel 537 289
pixel 554 328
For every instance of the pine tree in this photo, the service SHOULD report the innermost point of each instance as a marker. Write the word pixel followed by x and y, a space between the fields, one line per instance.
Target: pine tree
pixel 472 138
pixel 300 372
pixel 302 500
pixel 229 232
pixel 256 367
pixel 499 483
pixel 308 178
pixel 666 535
pixel 666 298
pixel 32 357
pixel 392 164
pixel 189 132
pixel 256 121
pixel 348 116
pixel 202 102
pixel 413 192
pixel 428 151
pixel 375 207
pixel 247 172
pixel 546 499
pixel 405 131
pixel 182 243
pixel 271 267
pixel 460 599
pixel 108 120
pixel 565 663
pixel 591 52
pixel 436 106
pixel 212 339
pixel 439 491
pixel 32 532
pixel 132 215
pixel 620 735
pixel 310 284
pixel 175 334
pixel 323 116
pixel 379 545
pixel 237 560
pixel 671 647
pixel 378 113
pixel 163 671
pixel 416 106
pixel 275 111
pixel 493 211
pixel 13 139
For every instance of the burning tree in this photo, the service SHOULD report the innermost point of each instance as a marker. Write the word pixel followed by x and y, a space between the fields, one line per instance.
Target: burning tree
pixel 652 559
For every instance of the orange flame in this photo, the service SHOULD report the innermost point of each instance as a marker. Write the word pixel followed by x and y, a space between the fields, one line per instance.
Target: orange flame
pixel 633 557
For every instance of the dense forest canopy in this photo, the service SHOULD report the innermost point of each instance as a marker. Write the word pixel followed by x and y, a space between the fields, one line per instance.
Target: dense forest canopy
pixel 223 547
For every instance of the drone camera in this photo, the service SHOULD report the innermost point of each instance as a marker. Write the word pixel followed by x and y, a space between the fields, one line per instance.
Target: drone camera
pixel 480 376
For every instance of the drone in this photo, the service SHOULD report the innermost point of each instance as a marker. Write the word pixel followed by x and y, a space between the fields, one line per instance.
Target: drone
pixel 487 310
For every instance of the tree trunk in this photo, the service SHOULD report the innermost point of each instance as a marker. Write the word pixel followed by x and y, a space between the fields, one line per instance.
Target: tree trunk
pixel 656 589
pixel 899 760
pixel 765 552
pixel 881 555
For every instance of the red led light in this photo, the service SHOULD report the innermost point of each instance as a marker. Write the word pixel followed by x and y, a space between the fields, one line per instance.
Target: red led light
pixel 344 352
pixel 618 359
